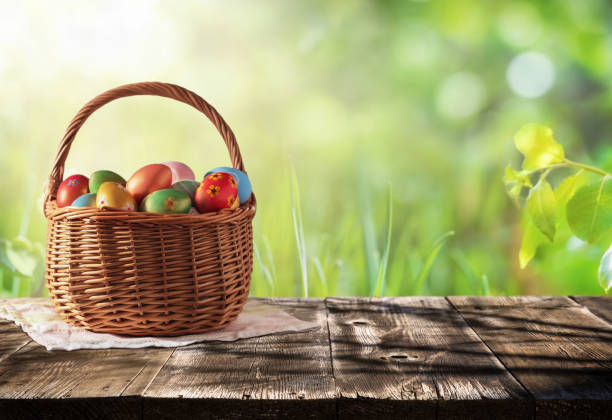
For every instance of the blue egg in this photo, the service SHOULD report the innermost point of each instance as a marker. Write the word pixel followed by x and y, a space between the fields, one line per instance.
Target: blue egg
pixel 85 200
pixel 244 185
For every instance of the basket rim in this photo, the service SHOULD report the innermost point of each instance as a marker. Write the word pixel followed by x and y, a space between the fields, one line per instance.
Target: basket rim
pixel 93 214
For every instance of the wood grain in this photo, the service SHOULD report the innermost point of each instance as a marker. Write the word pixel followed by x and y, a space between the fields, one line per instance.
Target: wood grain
pixel 118 408
pixel 291 373
pixel 11 339
pixel 464 357
pixel 560 353
pixel 599 305
pixel 84 383
pixel 401 357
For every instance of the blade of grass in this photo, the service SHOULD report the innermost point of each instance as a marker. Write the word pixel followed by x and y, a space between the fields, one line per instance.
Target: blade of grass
pixel 382 271
pixel 370 248
pixel 465 267
pixel 437 246
pixel 298 228
pixel 265 272
pixel 16 285
pixel 400 273
pixel 321 273
pixel 270 261
pixel 485 286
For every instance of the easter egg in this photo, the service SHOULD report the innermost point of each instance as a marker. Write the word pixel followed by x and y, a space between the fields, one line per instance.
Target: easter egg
pixel 168 201
pixel 148 179
pixel 114 196
pixel 188 186
pixel 244 185
pixel 180 171
pixel 70 189
pixel 100 177
pixel 217 191
pixel 86 200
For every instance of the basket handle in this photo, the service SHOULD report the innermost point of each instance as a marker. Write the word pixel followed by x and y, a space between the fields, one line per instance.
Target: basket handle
pixel 166 90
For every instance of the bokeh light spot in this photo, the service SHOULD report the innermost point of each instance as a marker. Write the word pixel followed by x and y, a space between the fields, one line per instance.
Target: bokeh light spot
pixel 461 95
pixel 530 74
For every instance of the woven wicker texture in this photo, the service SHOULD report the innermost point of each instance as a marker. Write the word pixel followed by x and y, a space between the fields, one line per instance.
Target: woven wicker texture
pixel 135 273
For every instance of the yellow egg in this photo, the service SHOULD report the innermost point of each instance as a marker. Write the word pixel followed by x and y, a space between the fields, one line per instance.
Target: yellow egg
pixel 112 195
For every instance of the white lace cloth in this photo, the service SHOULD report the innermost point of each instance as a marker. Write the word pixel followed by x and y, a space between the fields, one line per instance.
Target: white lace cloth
pixel 38 319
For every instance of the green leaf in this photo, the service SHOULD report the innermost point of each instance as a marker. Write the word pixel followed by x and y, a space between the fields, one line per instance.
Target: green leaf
pixel 566 190
pixel 512 177
pixel 24 256
pixel 542 208
pixel 589 211
pixel 515 181
pixel 537 144
pixel 605 270
pixel 532 239
pixel 4 259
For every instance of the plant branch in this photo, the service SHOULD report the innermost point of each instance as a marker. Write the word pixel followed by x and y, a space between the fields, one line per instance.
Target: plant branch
pixel 570 164
pixel 587 168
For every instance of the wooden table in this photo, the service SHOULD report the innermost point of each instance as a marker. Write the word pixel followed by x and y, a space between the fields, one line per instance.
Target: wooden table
pixel 422 357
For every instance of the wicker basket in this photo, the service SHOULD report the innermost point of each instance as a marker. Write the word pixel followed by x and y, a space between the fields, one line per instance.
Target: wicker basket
pixel 136 273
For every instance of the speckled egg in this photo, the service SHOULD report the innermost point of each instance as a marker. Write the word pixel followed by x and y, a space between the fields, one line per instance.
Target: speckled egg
pixel 114 196
pixel 148 179
pixel 244 185
pixel 86 200
pixel 180 171
pixel 217 191
pixel 100 177
pixel 167 201
pixel 70 189
pixel 188 186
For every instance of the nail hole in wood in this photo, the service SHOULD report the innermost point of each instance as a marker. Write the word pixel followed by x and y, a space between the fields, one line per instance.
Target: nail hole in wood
pixel 399 356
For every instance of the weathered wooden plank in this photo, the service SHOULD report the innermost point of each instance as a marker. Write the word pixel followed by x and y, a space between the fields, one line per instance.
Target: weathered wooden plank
pixel 287 376
pixel 513 301
pixel 561 353
pixel 416 357
pixel 35 382
pixel 146 375
pixel 119 408
pixel 395 357
pixel 12 339
pixel 599 305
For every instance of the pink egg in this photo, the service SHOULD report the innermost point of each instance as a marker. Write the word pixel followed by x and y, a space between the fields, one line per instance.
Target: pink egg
pixel 180 171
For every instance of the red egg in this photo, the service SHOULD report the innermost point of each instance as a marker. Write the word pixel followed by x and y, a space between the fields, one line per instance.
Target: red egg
pixel 148 179
pixel 217 191
pixel 71 188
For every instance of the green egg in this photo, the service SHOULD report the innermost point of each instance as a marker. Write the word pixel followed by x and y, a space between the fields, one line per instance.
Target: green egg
pixel 100 177
pixel 167 201
pixel 188 186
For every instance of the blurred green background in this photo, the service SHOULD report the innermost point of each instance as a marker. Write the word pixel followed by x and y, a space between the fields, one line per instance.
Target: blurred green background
pixel 341 109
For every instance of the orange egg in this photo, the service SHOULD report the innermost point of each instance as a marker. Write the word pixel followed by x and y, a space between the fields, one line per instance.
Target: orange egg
pixel 148 179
